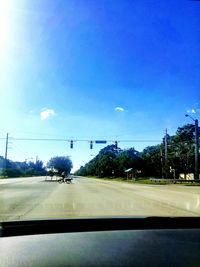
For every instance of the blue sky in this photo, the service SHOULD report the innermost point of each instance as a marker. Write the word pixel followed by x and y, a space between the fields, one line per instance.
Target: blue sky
pixel 113 70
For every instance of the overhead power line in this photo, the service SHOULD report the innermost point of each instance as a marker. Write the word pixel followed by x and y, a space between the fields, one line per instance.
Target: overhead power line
pixel 79 140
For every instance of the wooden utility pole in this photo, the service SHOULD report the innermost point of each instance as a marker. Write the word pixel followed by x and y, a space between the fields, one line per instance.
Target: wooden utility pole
pixel 161 161
pixel 6 151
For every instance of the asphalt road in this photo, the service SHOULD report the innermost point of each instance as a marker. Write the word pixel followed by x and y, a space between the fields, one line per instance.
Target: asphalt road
pixel 35 198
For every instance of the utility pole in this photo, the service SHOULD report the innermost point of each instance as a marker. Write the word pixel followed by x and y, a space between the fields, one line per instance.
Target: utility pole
pixel 6 151
pixel 161 160
pixel 196 150
pixel 166 156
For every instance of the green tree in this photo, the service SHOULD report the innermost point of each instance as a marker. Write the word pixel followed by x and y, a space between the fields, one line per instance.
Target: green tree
pixel 151 157
pixel 60 164
pixel 181 150
pixel 151 161
pixel 106 164
pixel 126 159
pixel 103 164
pixel 111 161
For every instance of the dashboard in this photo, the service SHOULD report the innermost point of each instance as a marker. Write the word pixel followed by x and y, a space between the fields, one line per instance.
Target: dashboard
pixel 92 242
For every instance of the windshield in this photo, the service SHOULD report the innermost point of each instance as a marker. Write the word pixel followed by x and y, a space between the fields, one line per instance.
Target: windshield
pixel 99 108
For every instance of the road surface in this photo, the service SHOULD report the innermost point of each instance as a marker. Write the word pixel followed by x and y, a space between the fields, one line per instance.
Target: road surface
pixel 35 198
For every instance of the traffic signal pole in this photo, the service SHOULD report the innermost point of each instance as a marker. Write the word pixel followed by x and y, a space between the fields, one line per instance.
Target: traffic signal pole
pixel 166 156
pixel 196 150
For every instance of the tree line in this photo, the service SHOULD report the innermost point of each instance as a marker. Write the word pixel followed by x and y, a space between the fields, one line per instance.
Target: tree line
pixel 9 168
pixel 55 166
pixel 151 162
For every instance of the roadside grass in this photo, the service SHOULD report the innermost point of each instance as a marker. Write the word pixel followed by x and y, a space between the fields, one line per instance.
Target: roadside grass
pixel 143 180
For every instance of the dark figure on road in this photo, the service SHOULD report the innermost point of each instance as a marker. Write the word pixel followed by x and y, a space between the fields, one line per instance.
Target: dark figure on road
pixel 51 174
pixel 65 178
pixel 63 175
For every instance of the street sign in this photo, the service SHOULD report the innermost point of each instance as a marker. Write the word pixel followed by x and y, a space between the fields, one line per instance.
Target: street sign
pixel 100 142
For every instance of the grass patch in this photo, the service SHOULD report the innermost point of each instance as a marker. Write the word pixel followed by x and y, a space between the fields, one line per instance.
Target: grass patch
pixel 189 184
pixel 143 180
pixel 148 181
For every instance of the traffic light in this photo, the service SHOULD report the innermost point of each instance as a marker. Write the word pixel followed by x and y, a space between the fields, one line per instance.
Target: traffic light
pixel 91 145
pixel 71 144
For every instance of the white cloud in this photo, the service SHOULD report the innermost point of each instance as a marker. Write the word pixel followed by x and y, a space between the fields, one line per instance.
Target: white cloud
pixel 47 113
pixel 119 109
pixel 195 108
pixel 191 111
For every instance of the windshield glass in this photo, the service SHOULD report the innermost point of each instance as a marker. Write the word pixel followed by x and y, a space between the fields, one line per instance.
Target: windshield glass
pixel 99 108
